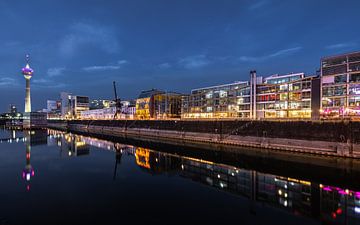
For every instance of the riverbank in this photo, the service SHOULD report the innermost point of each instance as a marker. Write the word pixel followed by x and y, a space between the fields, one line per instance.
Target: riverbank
pixel 340 138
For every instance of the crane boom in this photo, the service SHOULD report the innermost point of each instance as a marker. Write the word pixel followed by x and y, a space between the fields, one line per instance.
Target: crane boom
pixel 117 102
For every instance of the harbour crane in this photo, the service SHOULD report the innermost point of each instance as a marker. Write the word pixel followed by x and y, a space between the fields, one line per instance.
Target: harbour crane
pixel 117 103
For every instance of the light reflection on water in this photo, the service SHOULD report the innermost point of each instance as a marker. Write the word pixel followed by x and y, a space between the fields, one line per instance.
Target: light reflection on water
pixel 101 164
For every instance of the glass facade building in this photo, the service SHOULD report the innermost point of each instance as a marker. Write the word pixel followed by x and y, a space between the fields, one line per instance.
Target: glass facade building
pixel 276 96
pixel 284 96
pixel 155 104
pixel 340 81
pixel 222 101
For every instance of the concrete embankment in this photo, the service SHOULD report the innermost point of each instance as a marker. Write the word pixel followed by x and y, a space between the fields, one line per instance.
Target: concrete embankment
pixel 333 138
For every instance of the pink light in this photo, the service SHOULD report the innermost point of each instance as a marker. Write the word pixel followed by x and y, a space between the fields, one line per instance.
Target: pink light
pixel 357 194
pixel 327 189
pixel 342 192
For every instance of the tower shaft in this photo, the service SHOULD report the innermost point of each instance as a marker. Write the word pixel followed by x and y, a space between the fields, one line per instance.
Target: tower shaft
pixel 27 97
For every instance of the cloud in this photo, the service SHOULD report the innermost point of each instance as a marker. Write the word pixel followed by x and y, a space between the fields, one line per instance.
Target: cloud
pixel 164 66
pixel 341 45
pixel 41 81
pixel 258 5
pixel 117 66
pixel 122 62
pixel 84 34
pixel 7 81
pixel 279 53
pixel 47 83
pixel 194 62
pixel 56 71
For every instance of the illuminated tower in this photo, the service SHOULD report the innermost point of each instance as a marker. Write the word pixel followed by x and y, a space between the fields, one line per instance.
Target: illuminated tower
pixel 27 72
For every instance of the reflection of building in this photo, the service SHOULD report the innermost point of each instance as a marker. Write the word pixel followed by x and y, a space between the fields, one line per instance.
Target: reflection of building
pixel 340 78
pixel 155 162
pixel 142 156
pixel 74 145
pixel 339 206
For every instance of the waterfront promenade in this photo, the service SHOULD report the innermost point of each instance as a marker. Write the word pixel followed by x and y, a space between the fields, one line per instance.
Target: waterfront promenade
pixel 328 138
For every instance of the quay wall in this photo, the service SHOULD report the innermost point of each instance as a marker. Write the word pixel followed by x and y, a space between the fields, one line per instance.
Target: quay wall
pixel 333 138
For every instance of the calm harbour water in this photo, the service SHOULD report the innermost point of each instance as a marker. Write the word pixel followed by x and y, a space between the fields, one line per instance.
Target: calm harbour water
pixel 51 177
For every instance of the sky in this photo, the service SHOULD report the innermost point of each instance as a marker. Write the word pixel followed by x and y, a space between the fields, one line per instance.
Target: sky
pixel 82 46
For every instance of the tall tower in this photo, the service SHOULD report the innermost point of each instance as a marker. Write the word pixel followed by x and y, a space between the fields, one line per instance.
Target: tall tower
pixel 27 72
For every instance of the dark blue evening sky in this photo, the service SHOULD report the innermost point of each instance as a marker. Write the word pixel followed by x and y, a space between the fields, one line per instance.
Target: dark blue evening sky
pixel 81 46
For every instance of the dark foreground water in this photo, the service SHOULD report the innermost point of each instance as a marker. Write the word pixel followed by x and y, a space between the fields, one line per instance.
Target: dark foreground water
pixel 49 177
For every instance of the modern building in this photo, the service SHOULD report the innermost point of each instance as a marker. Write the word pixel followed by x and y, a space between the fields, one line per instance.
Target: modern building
pixel 65 104
pixel 285 96
pixel 276 96
pixel 127 111
pixel 221 101
pixel 98 114
pixel 53 109
pixel 100 104
pixel 73 105
pixel 145 108
pixel 167 105
pixel 128 108
pixel 78 104
pixel 340 85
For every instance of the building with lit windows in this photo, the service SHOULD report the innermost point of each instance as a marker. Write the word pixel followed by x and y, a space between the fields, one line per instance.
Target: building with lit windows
pixel 100 104
pixel 145 104
pixel 98 114
pixel 167 105
pixel 222 101
pixel 156 104
pixel 128 108
pixel 276 96
pixel 286 96
pixel 73 105
pixel 53 109
pixel 340 85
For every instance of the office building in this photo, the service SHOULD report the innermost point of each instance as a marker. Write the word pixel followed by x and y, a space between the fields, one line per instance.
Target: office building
pixel 167 105
pixel 53 109
pixel 73 105
pixel 100 104
pixel 221 101
pixel 145 108
pixel 340 85
pixel 285 96
pixel 276 96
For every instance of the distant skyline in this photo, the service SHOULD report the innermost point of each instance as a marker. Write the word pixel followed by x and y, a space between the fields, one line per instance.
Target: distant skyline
pixel 174 45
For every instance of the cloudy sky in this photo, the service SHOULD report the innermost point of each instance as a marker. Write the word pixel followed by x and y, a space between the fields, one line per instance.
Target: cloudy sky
pixel 81 46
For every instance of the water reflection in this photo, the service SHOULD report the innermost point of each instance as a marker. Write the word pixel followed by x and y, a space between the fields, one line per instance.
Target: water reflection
pixel 326 203
pixel 28 171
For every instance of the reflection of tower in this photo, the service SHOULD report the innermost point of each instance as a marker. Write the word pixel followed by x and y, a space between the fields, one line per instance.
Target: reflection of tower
pixel 27 72
pixel 28 171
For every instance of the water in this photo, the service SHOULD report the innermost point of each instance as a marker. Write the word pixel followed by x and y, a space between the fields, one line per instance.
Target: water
pixel 50 177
